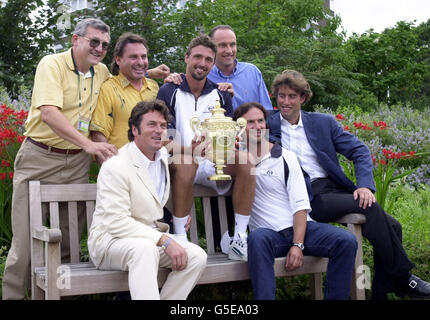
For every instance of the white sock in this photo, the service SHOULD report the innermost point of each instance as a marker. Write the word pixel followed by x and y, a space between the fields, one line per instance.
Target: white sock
pixel 179 224
pixel 241 223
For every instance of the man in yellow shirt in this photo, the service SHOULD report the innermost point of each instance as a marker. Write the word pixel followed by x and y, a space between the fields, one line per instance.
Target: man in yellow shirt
pixel 129 85
pixel 57 148
pixel 123 91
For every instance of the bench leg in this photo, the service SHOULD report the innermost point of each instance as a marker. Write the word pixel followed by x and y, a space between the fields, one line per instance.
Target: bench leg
pixel 36 261
pixel 36 292
pixel 52 263
pixel 315 282
pixel 357 292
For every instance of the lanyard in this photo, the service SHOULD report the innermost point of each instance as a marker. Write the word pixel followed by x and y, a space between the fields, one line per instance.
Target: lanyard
pixel 79 85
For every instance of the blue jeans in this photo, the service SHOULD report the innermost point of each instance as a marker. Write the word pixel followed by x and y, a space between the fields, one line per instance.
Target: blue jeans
pixel 321 240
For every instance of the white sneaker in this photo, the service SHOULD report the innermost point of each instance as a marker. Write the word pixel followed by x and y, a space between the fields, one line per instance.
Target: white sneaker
pixel 225 242
pixel 239 248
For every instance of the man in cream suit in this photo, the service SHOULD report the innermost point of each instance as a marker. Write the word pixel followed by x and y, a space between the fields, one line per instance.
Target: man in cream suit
pixel 126 234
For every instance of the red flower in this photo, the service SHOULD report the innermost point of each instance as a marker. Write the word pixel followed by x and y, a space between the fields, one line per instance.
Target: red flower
pixel 385 151
pixel 340 117
pixel 20 139
pixel 381 125
pixel 5 164
pixel 11 175
pixel 346 128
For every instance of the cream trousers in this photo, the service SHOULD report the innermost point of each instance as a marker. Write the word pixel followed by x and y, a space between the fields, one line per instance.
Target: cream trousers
pixel 142 258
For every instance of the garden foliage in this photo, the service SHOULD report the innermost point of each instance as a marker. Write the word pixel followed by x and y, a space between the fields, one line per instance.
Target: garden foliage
pixel 377 85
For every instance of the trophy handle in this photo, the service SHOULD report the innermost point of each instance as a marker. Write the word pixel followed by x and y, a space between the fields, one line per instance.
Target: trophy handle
pixel 196 126
pixel 241 123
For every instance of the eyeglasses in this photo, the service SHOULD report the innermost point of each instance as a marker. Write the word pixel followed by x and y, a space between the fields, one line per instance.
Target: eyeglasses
pixel 94 43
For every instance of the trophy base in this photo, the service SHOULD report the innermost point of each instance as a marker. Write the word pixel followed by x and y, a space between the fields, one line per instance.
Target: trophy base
pixel 219 177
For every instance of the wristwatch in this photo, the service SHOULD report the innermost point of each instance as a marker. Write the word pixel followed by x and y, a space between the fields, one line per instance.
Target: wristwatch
pixel 300 245
pixel 166 244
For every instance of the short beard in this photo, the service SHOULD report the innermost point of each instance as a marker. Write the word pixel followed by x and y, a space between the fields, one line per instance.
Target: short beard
pixel 197 77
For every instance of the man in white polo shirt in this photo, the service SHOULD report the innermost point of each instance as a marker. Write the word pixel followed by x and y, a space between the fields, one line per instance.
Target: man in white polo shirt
pixel 280 225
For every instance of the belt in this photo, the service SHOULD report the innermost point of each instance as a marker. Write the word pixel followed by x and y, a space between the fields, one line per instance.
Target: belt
pixel 53 149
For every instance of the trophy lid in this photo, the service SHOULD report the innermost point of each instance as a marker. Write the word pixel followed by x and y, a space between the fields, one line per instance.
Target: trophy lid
pixel 218 111
pixel 218 114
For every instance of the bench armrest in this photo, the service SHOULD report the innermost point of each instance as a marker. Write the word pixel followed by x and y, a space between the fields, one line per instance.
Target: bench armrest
pixel 354 218
pixel 45 234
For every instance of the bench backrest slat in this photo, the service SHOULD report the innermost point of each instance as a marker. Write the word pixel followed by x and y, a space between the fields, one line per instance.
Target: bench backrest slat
pixel 73 232
pixel 68 192
pixel 207 213
pixel 222 215
pixel 193 228
pixel 54 216
pixel 90 206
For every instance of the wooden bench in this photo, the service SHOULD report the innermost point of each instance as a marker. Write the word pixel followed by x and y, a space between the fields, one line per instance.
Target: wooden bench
pixel 50 279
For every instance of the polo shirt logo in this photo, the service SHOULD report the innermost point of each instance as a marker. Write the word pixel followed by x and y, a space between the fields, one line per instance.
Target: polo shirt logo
pixel 210 108
pixel 269 172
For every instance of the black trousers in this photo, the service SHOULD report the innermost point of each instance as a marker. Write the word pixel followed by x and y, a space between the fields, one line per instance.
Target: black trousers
pixel 391 264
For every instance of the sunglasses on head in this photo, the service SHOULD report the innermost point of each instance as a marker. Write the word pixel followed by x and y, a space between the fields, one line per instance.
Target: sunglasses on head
pixel 94 43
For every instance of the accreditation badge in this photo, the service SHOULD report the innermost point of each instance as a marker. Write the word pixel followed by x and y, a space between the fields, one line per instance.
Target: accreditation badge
pixel 83 124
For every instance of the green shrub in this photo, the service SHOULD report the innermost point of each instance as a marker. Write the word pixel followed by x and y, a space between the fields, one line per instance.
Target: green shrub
pixel 3 256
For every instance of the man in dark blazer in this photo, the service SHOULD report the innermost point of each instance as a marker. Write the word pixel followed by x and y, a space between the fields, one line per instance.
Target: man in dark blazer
pixel 316 139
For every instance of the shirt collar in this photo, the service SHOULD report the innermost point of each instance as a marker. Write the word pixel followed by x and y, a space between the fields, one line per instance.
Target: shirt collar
pixel 299 124
pixel 236 62
pixel 124 82
pixel 70 62
pixel 275 152
pixel 208 87
pixel 146 161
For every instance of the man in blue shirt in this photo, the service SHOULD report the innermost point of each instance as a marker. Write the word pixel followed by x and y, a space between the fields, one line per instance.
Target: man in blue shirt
pixel 248 83
pixel 246 78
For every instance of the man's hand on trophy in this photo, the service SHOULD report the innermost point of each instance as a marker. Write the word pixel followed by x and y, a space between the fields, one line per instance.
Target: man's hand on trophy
pixel 226 86
pixel 201 147
pixel 197 140
pixel 240 144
